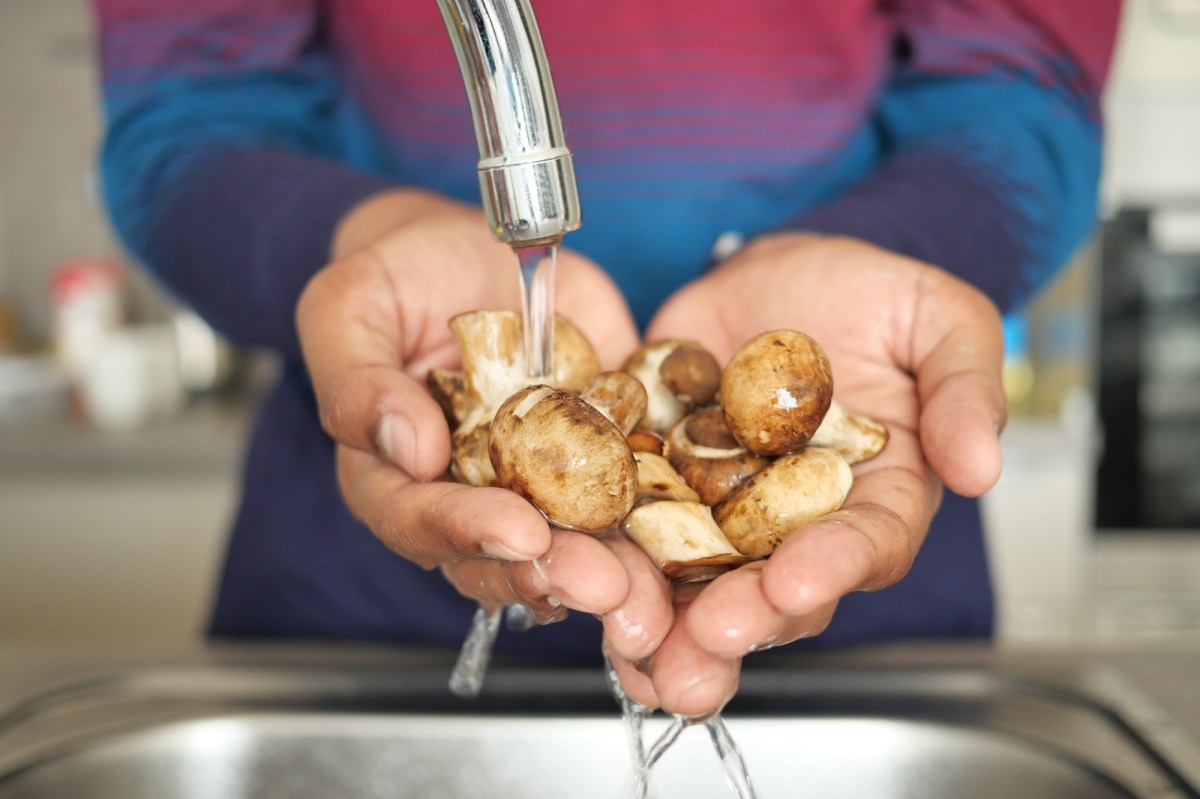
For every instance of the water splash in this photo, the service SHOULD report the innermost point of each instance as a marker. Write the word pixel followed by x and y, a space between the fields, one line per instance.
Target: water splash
pixel 467 678
pixel 732 762
pixel 633 716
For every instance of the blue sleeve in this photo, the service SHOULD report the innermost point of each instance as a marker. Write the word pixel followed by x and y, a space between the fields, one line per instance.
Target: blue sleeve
pixel 992 137
pixel 220 163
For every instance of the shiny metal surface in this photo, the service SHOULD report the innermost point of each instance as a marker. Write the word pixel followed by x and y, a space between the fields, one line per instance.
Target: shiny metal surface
pixel 526 177
pixel 297 757
pixel 298 732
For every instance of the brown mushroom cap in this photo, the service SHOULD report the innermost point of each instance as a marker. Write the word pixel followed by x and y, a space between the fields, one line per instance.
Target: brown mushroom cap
pixel 716 463
pixel 793 491
pixel 565 457
pixel 775 391
pixel 678 375
pixel 692 374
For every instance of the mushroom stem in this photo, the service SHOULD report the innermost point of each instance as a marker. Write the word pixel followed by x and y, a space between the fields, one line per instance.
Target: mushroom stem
pixel 657 480
pixel 620 397
pixel 856 438
pixel 683 540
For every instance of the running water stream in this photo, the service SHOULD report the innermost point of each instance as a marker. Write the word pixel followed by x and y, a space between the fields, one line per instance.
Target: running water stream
pixel 537 272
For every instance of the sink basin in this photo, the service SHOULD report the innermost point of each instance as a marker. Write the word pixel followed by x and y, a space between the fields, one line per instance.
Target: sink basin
pixel 300 732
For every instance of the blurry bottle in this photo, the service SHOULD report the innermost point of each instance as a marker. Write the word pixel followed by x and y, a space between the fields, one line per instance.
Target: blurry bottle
pixel 88 305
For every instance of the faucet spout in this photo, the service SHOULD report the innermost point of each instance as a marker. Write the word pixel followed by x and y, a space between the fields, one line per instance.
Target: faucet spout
pixel 526 177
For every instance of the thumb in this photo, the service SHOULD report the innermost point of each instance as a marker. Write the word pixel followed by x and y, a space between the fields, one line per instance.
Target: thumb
pixel 958 352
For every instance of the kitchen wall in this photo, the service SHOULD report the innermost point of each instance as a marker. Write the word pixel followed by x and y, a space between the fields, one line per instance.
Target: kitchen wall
pixel 117 536
pixel 49 137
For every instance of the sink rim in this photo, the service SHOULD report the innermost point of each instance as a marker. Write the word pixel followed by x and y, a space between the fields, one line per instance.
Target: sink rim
pixel 80 712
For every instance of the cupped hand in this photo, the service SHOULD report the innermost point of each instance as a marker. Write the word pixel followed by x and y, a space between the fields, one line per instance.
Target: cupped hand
pixel 910 345
pixel 371 325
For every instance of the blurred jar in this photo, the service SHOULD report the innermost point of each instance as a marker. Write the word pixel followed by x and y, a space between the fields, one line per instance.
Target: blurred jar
pixel 88 305
pixel 132 378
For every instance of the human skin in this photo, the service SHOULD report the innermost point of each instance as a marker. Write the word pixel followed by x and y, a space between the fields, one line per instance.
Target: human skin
pixel 910 345
pixel 371 325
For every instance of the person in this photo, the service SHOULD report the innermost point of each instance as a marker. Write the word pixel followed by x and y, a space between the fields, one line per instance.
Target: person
pixel 903 173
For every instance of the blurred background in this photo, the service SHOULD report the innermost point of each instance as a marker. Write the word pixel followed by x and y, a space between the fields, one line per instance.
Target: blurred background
pixel 122 416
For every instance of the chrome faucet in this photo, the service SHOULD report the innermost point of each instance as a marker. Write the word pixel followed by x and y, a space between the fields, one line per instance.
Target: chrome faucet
pixel 526 177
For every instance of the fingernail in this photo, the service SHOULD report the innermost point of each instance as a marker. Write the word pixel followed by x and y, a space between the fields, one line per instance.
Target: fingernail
pixel 397 440
pixel 502 551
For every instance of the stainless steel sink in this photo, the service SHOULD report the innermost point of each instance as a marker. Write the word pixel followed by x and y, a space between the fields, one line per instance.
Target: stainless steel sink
pixel 297 732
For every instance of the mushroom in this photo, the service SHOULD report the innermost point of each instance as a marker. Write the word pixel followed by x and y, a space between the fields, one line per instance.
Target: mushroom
pixel 657 480
pixel 470 461
pixel 620 397
pixel 678 375
pixel 775 391
pixel 494 367
pixel 856 438
pixel 565 457
pixel 682 539
pixel 708 457
pixel 449 388
pixel 793 491
pixel 646 441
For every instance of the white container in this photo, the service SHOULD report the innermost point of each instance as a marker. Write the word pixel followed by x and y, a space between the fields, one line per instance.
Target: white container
pixel 132 378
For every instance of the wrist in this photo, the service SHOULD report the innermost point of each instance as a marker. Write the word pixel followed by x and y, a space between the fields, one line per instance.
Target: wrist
pixel 382 213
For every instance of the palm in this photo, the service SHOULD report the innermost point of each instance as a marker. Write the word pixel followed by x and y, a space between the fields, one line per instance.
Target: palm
pixel 909 346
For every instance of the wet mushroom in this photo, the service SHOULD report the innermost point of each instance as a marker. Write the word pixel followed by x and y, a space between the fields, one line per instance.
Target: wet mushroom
pixel 657 480
pixel 620 397
pixel 793 491
pixel 494 368
pixel 679 375
pixel 646 441
pixel 565 457
pixel 708 457
pixel 683 540
pixel 775 391
pixel 856 438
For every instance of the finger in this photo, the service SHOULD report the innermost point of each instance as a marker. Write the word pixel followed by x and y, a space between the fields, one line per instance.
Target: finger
pixel 490 583
pixel 688 680
pixel 635 682
pixel 732 617
pixel 431 523
pixel 637 627
pixel 578 571
pixel 351 333
pixel 958 352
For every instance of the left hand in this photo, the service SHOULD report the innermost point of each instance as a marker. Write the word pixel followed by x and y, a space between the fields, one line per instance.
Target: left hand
pixel 911 346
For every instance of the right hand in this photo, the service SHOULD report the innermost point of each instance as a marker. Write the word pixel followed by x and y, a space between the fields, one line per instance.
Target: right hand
pixel 372 324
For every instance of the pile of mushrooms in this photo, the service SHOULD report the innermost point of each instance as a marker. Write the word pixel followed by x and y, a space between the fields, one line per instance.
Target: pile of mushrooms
pixel 706 469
